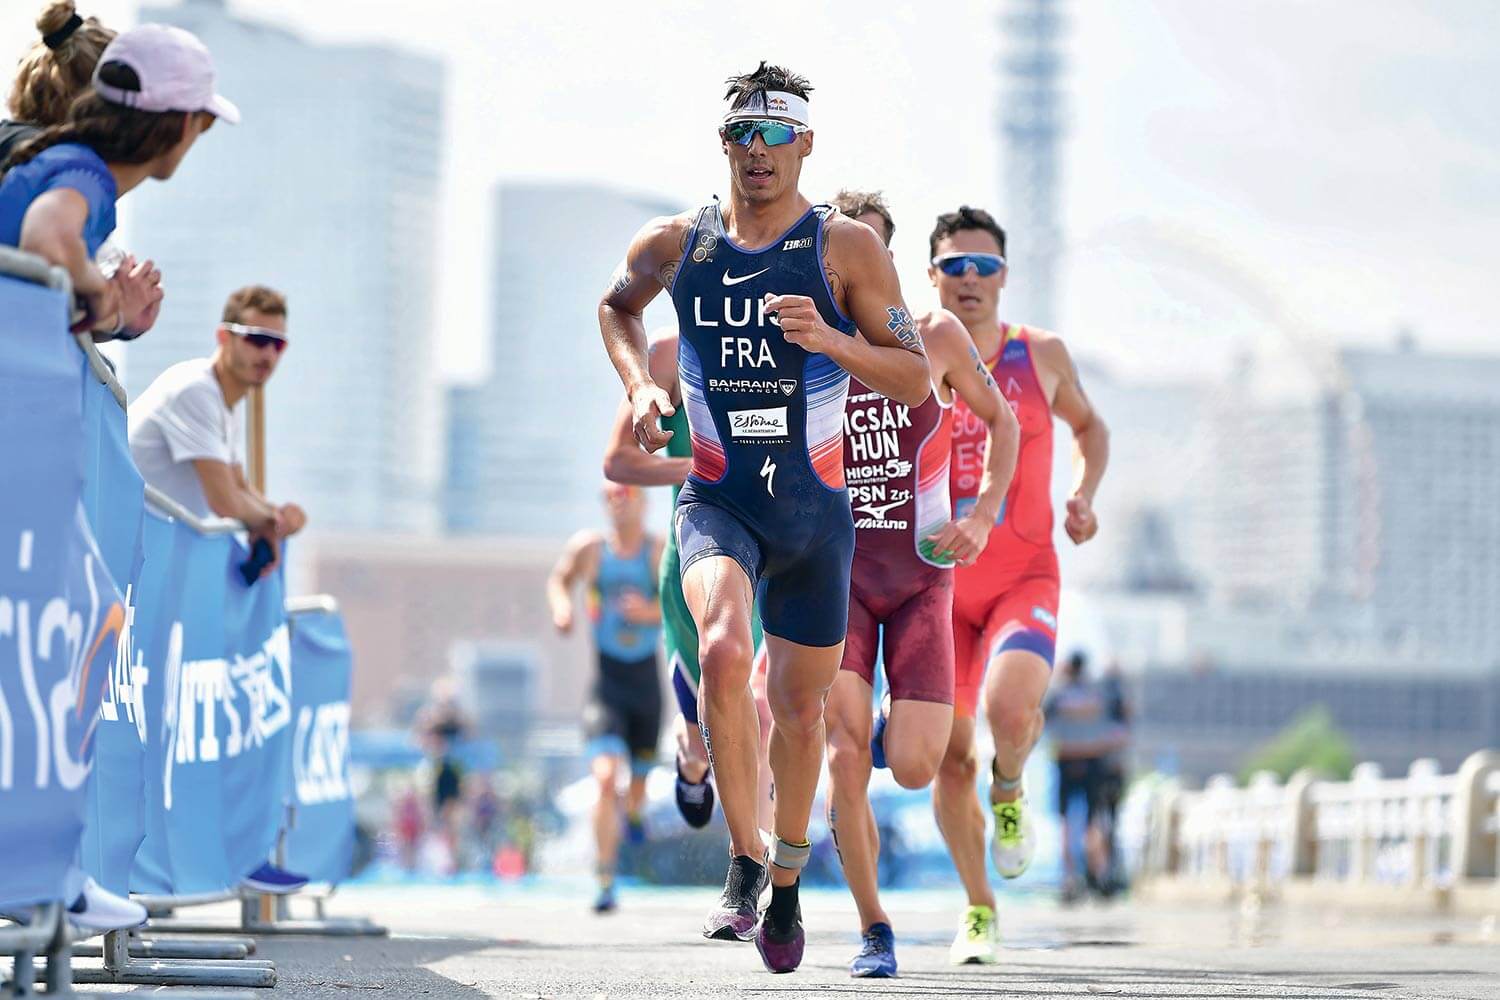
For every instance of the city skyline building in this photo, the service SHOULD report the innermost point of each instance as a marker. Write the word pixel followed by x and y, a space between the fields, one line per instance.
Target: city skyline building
pixel 327 191
pixel 1031 128
pixel 526 444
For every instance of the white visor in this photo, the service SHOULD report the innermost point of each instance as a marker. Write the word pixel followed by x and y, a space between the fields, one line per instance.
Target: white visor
pixel 772 104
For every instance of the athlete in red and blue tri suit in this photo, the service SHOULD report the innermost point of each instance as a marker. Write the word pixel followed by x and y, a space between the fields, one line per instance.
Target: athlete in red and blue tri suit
pixel 906 544
pixel 769 290
pixel 1005 604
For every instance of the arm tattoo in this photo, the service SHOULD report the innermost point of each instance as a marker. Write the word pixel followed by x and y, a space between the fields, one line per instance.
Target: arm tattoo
pixel 620 280
pixel 989 378
pixel 905 329
pixel 835 283
pixel 668 272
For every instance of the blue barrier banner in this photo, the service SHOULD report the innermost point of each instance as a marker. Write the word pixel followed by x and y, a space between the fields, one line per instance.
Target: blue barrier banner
pixel 60 612
pixel 114 498
pixel 218 712
pixel 321 842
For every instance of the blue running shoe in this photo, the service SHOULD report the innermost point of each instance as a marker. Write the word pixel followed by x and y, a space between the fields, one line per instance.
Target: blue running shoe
pixel 635 830
pixel 877 736
pixel 877 955
pixel 605 901
pixel 274 881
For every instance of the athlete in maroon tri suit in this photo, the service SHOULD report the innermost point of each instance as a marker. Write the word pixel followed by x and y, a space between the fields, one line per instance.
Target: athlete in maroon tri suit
pixel 906 544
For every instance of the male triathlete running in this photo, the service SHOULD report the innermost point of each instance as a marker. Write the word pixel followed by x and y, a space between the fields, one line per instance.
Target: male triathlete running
pixel 905 544
pixel 623 718
pixel 1005 604
pixel 769 290
pixel 625 462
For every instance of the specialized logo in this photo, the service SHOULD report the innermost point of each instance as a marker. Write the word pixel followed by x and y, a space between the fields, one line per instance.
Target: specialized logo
pixel 744 277
pixel 768 470
pixel 771 387
pixel 805 243
pixel 766 423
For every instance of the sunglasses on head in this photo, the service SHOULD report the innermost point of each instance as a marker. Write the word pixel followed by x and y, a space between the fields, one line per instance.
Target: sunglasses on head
pixel 258 336
pixel 771 132
pixel 955 265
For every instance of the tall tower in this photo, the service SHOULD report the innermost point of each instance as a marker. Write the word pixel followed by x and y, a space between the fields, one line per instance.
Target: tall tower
pixel 1031 127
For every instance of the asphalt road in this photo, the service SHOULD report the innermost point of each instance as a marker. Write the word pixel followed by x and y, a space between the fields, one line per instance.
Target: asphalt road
pixel 541 941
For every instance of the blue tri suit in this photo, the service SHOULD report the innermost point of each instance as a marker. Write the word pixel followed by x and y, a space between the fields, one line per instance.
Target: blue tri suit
pixel 767 423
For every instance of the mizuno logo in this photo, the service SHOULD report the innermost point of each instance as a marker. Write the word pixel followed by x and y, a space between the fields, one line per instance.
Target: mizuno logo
pixel 769 472
pixel 880 510
pixel 735 281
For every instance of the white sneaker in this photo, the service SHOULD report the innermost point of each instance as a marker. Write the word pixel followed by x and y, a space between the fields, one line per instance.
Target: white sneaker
pixel 978 939
pixel 1014 843
pixel 98 909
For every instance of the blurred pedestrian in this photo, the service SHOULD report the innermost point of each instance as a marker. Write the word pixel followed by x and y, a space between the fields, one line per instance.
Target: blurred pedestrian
pixel 441 726
pixel 1083 738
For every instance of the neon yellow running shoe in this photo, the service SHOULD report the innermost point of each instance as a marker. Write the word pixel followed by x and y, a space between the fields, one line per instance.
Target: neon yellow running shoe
pixel 1015 838
pixel 978 939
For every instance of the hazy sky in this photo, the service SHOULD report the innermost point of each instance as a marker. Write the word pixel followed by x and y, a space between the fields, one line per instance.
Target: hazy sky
pixel 1329 165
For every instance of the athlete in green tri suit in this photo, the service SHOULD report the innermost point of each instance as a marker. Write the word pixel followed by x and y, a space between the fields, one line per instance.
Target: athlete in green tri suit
pixel 626 463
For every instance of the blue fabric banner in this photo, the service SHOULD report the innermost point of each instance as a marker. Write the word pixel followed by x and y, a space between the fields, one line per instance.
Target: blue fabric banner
pixel 60 613
pixel 321 842
pixel 218 712
pixel 114 498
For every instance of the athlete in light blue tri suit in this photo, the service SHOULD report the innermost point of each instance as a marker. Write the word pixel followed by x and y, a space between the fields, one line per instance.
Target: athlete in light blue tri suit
pixel 769 291
pixel 623 717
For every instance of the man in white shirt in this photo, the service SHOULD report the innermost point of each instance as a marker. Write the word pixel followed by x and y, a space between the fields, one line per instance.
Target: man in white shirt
pixel 187 430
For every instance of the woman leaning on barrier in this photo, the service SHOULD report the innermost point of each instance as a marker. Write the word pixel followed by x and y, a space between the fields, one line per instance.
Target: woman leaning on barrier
pixel 153 95
pixel 56 69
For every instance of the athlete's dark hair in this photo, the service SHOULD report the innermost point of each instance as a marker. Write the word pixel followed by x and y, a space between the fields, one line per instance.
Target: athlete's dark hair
pixel 857 203
pixel 765 77
pixel 965 218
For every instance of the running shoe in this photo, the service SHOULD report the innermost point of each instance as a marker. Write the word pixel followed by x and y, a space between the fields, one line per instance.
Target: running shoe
pixel 1015 838
pixel 735 917
pixel 877 734
pixel 781 947
pixel 877 954
pixel 978 940
pixel 274 881
pixel 695 800
pixel 605 902
pixel 635 829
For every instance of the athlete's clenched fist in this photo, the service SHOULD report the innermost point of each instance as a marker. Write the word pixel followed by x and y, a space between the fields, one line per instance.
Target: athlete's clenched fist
pixel 1082 524
pixel 800 322
pixel 650 403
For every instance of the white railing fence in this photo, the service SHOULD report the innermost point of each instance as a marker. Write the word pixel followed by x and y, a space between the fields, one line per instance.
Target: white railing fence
pixel 1424 830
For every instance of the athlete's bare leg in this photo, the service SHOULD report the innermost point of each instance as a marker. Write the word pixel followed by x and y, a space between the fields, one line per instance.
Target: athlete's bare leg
pixel 849 814
pixel 606 770
pixel 955 802
pixel 916 740
pixel 1014 687
pixel 797 684
pixel 692 758
pixel 766 811
pixel 719 595
pixel 635 796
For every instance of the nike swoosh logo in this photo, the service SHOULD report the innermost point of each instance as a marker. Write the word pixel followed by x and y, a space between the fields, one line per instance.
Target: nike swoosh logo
pixel 735 281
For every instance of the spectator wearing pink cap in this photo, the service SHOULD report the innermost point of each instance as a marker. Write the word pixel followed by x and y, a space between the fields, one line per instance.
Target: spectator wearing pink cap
pixel 153 95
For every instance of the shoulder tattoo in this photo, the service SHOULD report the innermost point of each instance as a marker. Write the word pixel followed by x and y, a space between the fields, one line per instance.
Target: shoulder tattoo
pixel 835 283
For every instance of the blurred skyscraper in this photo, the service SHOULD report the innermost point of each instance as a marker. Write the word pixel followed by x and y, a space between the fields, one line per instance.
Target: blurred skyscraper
pixel 328 191
pixel 525 446
pixel 1369 498
pixel 1031 127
